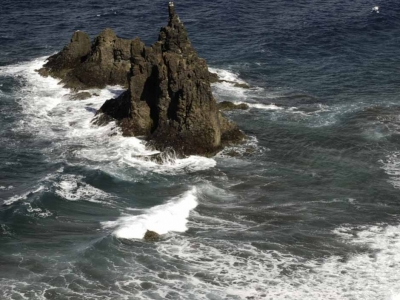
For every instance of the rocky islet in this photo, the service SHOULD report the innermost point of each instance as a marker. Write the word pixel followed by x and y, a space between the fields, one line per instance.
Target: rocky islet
pixel 168 98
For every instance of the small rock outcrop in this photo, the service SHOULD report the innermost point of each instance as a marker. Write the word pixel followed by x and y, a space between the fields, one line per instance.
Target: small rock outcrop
pixel 80 96
pixel 169 100
pixel 214 78
pixel 151 236
pixel 69 58
pixel 227 105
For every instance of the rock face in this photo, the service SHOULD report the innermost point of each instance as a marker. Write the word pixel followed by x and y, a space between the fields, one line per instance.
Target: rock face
pixel 169 99
pixel 82 64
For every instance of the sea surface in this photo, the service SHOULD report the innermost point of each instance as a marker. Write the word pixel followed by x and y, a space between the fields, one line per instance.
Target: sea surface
pixel 308 208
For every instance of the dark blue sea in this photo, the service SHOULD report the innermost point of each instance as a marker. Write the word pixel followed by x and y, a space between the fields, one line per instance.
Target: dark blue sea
pixel 308 208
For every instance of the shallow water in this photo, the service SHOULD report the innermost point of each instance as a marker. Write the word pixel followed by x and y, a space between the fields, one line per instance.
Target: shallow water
pixel 307 208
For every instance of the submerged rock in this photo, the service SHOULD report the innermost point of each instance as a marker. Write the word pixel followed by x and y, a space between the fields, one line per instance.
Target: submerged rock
pixel 151 236
pixel 227 105
pixel 169 99
pixel 80 96
pixel 242 85
pixel 236 84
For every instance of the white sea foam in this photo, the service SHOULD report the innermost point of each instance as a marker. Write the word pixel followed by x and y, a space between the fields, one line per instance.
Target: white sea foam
pixel 226 90
pixel 24 196
pixel 71 187
pixel 391 165
pixel 50 115
pixel 38 211
pixel 315 115
pixel 249 147
pixel 264 106
pixel 227 75
pixel 259 105
pixel 6 188
pixel 239 270
pixel 171 216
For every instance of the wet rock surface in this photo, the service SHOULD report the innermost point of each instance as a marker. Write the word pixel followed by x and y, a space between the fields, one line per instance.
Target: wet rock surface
pixel 227 105
pixel 151 236
pixel 80 96
pixel 169 99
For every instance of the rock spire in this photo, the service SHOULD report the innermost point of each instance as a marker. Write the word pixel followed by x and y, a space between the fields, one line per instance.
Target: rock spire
pixel 168 100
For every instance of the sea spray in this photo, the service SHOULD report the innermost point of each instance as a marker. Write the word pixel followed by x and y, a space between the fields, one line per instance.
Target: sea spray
pixel 171 216
pixel 226 75
pixel 24 196
pixel 50 115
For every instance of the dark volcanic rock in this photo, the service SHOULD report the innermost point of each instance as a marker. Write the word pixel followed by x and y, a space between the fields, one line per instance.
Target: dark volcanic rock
pixel 82 65
pixel 70 57
pixel 227 105
pixel 169 99
pixel 151 236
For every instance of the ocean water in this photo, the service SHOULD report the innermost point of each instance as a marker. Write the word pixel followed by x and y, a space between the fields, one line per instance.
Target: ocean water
pixel 308 208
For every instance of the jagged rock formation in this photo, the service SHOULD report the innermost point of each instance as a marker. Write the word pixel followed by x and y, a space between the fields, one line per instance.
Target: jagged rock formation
pixel 82 64
pixel 105 61
pixel 169 99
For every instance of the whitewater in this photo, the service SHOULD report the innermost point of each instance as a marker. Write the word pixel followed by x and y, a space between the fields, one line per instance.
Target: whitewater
pixel 245 272
pixel 307 207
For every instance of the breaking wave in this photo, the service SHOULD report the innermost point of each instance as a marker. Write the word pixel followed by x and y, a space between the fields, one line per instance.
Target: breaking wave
pixel 171 216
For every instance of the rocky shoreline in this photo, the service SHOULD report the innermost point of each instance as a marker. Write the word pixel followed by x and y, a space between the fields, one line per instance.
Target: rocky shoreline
pixel 168 98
